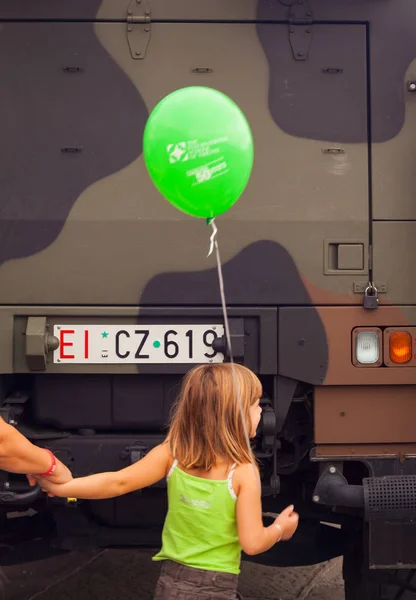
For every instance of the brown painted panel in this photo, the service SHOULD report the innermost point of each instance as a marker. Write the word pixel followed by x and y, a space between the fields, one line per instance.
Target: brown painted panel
pixel 339 323
pixel 365 415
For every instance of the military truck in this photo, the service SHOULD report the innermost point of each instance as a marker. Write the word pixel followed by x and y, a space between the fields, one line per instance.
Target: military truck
pixel 107 297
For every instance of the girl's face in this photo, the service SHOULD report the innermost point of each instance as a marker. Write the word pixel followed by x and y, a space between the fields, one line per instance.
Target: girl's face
pixel 255 415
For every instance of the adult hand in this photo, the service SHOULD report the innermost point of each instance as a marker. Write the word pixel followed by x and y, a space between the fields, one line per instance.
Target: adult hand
pixel 61 475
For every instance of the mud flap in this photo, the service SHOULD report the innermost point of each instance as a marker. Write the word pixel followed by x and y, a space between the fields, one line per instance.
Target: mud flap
pixel 389 505
pixel 390 509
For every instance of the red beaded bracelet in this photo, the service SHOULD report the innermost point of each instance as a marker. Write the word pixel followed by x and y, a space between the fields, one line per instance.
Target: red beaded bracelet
pixel 53 467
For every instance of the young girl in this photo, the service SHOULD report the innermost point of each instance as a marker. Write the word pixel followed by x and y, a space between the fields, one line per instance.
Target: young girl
pixel 214 490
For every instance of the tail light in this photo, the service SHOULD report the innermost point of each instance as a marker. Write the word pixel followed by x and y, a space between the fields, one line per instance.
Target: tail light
pixel 367 345
pixel 392 348
pixel 398 347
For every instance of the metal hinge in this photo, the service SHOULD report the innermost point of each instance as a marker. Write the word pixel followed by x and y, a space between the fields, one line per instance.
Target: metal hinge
pixel 138 28
pixel 300 27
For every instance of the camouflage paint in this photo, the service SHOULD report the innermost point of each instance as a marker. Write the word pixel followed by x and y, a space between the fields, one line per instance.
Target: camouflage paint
pixel 48 9
pixel 308 102
pixel 392 50
pixel 121 220
pixel 249 279
pixel 45 109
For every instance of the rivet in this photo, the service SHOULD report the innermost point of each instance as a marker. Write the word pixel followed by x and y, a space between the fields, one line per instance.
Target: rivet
pixel 316 498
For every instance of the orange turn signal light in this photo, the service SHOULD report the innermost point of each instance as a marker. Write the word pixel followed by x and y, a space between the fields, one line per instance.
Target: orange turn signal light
pixel 400 347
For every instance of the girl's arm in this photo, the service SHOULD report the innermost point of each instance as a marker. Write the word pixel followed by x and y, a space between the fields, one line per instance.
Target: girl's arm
pixel 254 537
pixel 150 469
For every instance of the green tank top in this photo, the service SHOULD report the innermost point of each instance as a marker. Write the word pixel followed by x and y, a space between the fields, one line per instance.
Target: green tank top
pixel 200 530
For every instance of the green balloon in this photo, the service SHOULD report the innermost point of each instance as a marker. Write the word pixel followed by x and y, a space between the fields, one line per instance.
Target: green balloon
pixel 198 150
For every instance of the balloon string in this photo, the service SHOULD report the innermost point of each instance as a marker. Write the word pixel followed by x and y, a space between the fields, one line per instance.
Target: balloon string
pixel 213 236
pixel 214 244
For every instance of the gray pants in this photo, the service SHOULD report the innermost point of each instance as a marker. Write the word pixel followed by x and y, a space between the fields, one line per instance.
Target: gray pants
pixel 177 582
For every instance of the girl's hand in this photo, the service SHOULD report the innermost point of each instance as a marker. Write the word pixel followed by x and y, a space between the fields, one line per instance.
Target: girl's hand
pixel 288 521
pixel 52 489
pixel 46 485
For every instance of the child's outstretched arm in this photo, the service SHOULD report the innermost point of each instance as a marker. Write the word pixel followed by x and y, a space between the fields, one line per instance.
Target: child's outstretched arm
pixel 150 469
pixel 254 537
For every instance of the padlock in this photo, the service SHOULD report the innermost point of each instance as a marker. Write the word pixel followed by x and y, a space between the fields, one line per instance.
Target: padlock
pixel 371 298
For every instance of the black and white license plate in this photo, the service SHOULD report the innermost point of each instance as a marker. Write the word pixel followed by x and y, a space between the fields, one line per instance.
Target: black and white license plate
pixel 153 344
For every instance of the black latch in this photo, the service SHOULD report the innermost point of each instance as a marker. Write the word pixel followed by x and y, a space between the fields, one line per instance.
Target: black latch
pixel 7 414
pixel 300 28
pixel 137 451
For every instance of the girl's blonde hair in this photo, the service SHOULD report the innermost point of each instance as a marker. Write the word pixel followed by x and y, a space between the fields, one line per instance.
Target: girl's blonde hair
pixel 206 422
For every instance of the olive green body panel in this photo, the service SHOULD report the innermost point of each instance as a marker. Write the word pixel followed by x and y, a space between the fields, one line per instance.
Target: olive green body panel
pixel 88 227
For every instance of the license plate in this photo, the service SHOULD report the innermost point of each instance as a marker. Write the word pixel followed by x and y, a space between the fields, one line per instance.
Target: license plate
pixel 153 344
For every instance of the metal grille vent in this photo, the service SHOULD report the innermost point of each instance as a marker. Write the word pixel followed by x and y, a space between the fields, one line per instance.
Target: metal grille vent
pixel 391 498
